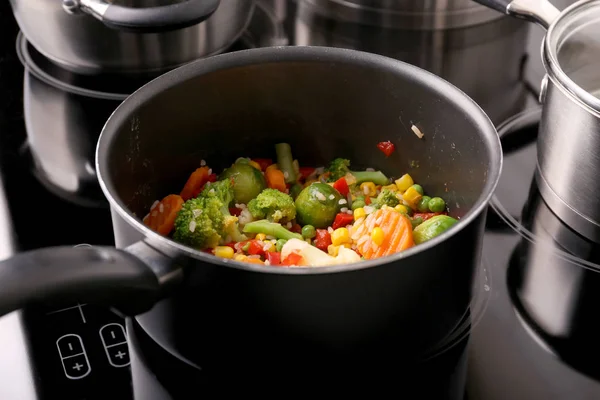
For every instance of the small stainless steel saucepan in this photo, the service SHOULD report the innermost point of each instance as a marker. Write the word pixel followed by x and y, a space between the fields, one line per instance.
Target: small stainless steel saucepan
pixel 569 139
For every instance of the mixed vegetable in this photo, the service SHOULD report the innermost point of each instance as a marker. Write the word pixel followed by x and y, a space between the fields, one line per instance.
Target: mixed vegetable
pixel 279 213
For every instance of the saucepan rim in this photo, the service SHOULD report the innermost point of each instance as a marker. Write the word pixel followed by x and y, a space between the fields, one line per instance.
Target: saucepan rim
pixel 122 115
pixel 552 65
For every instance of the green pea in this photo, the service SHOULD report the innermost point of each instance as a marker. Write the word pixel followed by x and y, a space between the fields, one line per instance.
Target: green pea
pixel 246 247
pixel 308 232
pixel 423 205
pixel 279 244
pixel 242 160
pixel 359 202
pixel 437 204
pixel 418 188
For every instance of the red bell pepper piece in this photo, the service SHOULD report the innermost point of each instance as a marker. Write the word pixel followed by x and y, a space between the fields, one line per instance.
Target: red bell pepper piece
pixel 428 215
pixel 235 211
pixel 341 220
pixel 305 172
pixel 386 148
pixel 212 178
pixel 255 248
pixel 341 185
pixel 230 244
pixel 296 228
pixel 292 259
pixel 322 239
pixel 263 162
pixel 274 258
pixel 367 200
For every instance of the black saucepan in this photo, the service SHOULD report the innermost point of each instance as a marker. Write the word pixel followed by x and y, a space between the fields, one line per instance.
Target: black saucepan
pixel 222 315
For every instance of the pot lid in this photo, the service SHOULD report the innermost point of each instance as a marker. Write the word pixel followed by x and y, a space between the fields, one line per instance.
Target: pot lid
pixel 407 14
pixel 572 51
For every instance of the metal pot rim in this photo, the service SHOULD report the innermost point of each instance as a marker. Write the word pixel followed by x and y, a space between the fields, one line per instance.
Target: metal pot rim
pixel 552 65
pixel 398 19
pixel 32 67
pixel 124 111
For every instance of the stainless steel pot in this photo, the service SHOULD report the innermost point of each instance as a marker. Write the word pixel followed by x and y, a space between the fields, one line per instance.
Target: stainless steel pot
pixel 64 113
pixel 475 48
pixel 569 140
pixel 222 315
pixel 136 36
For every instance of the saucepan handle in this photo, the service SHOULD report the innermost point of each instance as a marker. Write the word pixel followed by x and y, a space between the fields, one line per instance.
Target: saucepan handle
pixel 539 11
pixel 148 19
pixel 99 275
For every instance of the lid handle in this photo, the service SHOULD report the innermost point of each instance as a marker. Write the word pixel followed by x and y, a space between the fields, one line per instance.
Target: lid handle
pixel 539 11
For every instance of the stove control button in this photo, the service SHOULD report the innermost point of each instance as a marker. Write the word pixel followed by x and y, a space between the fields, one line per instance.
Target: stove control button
pixel 112 334
pixel 73 357
pixel 118 355
pixel 69 345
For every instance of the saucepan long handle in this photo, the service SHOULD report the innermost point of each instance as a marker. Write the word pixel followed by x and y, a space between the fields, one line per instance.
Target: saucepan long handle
pixel 101 275
pixel 539 11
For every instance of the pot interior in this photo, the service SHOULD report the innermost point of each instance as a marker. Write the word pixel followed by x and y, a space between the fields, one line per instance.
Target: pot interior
pixel 576 41
pixel 325 103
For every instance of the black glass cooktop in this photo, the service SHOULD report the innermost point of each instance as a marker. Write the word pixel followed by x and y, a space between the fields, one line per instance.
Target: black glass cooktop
pixel 538 337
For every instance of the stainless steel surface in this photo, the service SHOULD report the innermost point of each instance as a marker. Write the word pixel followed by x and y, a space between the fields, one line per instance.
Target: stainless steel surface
pixel 484 60
pixel 410 14
pixel 568 158
pixel 540 11
pixel 17 377
pixel 64 114
pixel 83 44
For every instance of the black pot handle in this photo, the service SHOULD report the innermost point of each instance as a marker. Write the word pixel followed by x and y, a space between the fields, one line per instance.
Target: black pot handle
pixel 145 20
pixel 100 275
pixel 539 11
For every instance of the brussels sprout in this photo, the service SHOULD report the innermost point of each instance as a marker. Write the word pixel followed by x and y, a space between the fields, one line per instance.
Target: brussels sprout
pixel 248 182
pixel 433 227
pixel 317 205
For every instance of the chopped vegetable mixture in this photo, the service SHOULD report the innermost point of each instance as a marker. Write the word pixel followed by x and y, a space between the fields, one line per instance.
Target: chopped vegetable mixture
pixel 282 214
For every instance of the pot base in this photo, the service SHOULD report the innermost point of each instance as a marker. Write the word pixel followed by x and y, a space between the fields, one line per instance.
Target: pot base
pixel 579 223
pixel 160 375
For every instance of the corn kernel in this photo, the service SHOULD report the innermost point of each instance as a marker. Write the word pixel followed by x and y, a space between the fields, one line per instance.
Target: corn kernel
pixel 368 189
pixel 240 257
pixel 260 236
pixel 359 213
pixel 401 208
pixel 224 252
pixel 340 236
pixel 391 187
pixel 254 164
pixel 333 250
pixel 412 196
pixel 404 182
pixel 377 236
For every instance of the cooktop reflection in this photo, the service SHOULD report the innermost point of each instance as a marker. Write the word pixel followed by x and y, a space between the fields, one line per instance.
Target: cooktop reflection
pixel 538 338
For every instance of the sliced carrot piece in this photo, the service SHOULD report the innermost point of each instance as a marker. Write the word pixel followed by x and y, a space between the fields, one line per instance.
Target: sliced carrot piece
pixel 397 231
pixel 195 183
pixel 275 178
pixel 161 217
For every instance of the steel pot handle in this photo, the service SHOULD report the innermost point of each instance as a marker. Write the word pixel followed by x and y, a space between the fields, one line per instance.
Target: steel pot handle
pixel 145 20
pixel 539 11
pixel 131 280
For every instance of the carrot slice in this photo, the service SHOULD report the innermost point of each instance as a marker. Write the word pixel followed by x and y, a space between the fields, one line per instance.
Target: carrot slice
pixel 275 178
pixel 195 183
pixel 161 217
pixel 397 231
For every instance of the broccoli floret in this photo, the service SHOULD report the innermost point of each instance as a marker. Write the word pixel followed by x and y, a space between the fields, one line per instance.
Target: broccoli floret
pixel 341 166
pixel 387 198
pixel 205 222
pixel 273 205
